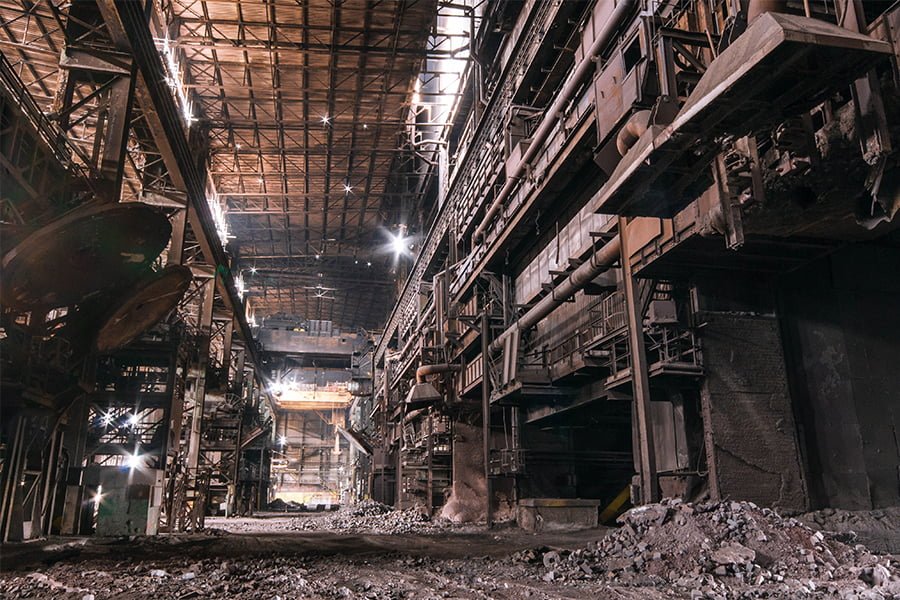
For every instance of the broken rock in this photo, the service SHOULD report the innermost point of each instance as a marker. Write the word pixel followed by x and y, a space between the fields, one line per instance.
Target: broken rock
pixel 733 554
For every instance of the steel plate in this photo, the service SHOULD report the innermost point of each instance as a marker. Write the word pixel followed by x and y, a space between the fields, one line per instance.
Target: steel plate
pixel 92 249
pixel 142 307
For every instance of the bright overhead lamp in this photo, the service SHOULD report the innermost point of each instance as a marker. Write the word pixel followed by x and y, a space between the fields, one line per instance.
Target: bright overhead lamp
pixel 400 244
pixel 135 461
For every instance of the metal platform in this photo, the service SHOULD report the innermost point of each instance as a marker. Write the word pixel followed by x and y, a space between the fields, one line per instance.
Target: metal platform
pixel 781 66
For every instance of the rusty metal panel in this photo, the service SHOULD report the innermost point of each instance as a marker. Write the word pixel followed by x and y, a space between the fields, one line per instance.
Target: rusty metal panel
pixel 600 15
pixel 641 232
pixel 609 103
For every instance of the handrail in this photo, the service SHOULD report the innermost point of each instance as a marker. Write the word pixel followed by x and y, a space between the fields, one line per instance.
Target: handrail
pixel 51 135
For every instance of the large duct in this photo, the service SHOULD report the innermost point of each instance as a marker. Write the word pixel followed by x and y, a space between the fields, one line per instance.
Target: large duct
pixel 758 7
pixel 423 392
pixel 632 131
pixel 553 113
pixel 599 262
pixel 426 370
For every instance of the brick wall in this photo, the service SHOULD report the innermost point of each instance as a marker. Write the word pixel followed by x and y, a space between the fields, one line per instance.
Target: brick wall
pixel 751 435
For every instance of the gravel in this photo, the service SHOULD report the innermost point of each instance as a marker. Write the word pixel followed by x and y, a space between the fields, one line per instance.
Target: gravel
pixel 666 551
pixel 723 550
pixel 371 517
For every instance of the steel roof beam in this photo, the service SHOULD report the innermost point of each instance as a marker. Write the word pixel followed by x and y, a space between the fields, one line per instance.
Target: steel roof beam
pixel 132 26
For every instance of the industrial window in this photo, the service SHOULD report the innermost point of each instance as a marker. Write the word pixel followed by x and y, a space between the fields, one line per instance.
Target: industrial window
pixel 632 54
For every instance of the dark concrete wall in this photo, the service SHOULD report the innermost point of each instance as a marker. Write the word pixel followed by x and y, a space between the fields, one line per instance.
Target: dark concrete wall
pixel 841 320
pixel 752 446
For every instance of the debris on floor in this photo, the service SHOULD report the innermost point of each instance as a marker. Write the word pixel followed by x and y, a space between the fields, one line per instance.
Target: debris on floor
pixel 392 522
pixel 878 530
pixel 666 551
pixel 373 519
pixel 364 517
pixel 724 550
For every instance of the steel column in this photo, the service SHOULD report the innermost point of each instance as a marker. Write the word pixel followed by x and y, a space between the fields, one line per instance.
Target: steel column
pixel 486 417
pixel 640 380
pixel 12 475
pixel 206 314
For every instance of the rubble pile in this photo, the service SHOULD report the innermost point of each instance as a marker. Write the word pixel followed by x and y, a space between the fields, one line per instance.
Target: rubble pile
pixel 723 550
pixel 370 517
pixel 369 508
pixel 878 530
pixel 279 505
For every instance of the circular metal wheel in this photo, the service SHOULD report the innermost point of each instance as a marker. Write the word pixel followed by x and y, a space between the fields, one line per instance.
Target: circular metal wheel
pixel 142 307
pixel 92 249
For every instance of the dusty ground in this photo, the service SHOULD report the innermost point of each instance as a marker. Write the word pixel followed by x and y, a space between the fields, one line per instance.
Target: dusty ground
pixel 265 561
pixel 336 556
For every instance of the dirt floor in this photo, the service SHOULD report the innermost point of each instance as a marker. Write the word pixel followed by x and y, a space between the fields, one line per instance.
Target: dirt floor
pixel 265 559
pixel 387 556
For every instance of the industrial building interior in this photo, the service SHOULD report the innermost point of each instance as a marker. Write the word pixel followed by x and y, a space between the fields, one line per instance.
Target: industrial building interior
pixel 449 299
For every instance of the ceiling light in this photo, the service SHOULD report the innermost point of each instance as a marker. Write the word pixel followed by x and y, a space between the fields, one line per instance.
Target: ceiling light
pixel 348 188
pixel 135 461
pixel 399 244
pixel 368 264
pixel 253 270
pixel 318 256
pixel 365 126
pixel 134 420
pixel 282 440
pixel 326 119
pixel 237 146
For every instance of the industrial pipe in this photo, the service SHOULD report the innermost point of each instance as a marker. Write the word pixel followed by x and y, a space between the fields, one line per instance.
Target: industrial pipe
pixel 426 370
pixel 556 110
pixel 632 131
pixel 599 261
pixel 758 7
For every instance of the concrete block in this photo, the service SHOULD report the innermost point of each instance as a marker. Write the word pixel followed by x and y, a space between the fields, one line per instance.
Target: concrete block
pixel 548 514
